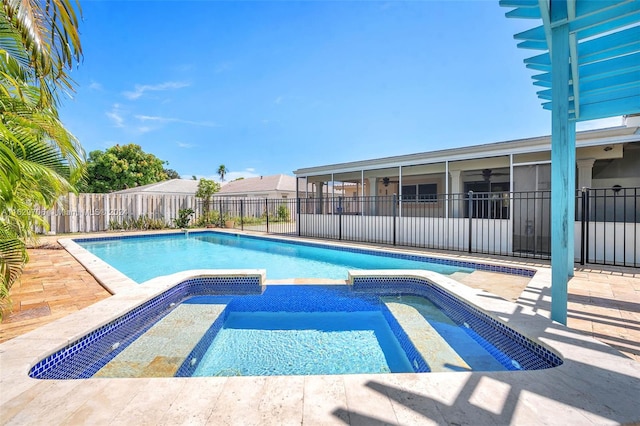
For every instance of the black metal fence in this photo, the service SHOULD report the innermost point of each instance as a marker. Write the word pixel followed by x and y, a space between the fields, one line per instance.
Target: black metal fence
pixel 516 224
pixel 276 216
pixel 609 226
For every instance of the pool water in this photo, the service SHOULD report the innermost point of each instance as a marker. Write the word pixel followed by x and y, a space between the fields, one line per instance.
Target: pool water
pixel 144 258
pixel 301 343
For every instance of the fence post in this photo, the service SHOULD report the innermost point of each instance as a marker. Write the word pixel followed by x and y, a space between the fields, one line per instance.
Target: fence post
pixel 470 220
pixel 220 215
pixel 339 218
pixel 298 205
pixel 394 219
pixel 583 193
pixel 241 215
pixel 266 210
pixel 586 226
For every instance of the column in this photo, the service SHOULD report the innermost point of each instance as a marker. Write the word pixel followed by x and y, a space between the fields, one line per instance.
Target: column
pixel 319 197
pixel 585 172
pixel 455 192
pixel 373 193
pixel 562 159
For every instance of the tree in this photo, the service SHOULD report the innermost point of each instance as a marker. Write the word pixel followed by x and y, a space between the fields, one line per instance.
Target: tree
pixel 39 158
pixel 171 174
pixel 122 167
pixel 222 171
pixel 206 189
pixel 40 40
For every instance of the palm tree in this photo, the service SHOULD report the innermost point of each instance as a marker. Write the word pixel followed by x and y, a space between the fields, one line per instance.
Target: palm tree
pixel 39 158
pixel 42 40
pixel 222 171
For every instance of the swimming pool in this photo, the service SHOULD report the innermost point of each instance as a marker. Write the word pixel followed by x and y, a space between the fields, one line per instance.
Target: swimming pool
pixel 146 257
pixel 366 296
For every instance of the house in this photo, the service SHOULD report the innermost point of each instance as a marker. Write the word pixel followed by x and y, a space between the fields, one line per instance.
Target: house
pixel 500 190
pixel 166 187
pixel 605 158
pixel 276 186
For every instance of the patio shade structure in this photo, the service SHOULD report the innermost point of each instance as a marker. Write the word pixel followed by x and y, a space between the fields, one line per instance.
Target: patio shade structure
pixel 590 69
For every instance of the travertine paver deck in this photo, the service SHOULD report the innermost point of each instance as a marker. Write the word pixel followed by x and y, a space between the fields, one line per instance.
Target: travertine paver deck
pixel 52 286
pixel 594 385
pixel 603 303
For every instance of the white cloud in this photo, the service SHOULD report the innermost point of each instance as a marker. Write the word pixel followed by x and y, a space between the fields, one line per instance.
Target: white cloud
pixel 95 85
pixel 140 89
pixel 116 115
pixel 185 145
pixel 175 120
pixel 150 118
pixel 278 100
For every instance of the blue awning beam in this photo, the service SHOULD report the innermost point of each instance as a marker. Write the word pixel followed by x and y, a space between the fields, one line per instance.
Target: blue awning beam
pixel 590 69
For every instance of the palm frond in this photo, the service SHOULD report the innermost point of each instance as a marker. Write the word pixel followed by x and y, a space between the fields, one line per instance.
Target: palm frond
pixel 13 257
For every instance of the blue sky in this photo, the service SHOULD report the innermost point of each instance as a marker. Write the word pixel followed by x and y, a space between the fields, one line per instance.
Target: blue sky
pixel 268 87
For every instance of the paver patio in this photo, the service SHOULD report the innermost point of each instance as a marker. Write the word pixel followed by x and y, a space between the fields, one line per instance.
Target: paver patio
pixel 595 384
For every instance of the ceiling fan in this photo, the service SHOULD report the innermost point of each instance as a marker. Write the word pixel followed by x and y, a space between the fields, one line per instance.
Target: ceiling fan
pixel 487 174
pixel 386 181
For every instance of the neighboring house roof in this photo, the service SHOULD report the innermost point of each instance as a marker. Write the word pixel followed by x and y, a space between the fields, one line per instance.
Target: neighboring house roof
pixel 173 186
pixel 262 184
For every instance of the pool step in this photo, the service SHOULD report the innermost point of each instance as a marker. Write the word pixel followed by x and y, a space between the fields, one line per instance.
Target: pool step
pixel 413 313
pixel 163 348
pixel 442 343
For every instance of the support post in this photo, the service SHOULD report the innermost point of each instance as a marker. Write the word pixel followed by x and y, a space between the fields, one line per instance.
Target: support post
pixel 220 215
pixel 583 223
pixel 470 220
pixel 395 200
pixel 339 218
pixel 562 153
pixel 298 206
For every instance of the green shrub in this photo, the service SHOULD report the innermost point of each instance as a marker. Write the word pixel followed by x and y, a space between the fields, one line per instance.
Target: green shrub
pixel 283 213
pixel 184 216
pixel 141 223
pixel 211 217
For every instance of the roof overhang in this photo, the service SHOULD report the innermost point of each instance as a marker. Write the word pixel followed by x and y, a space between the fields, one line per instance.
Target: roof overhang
pixel 614 135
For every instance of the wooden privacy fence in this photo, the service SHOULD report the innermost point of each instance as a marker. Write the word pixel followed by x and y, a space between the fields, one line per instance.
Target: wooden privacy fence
pixel 101 212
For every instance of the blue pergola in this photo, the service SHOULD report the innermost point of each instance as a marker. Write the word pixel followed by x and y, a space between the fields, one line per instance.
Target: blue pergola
pixel 590 68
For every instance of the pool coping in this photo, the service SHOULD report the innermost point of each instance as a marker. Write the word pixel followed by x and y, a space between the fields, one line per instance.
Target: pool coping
pixel 595 384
